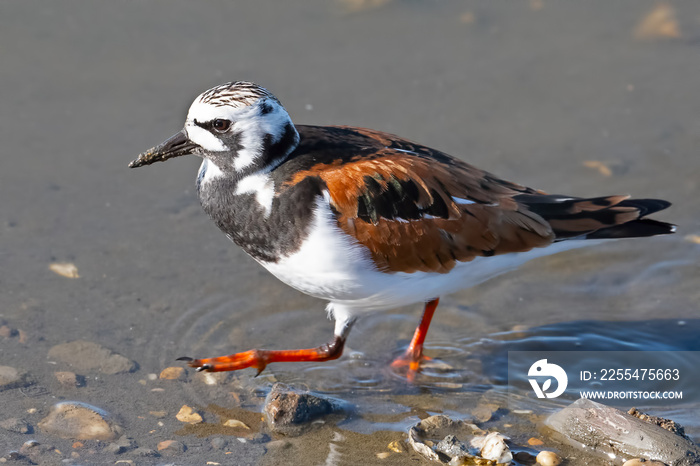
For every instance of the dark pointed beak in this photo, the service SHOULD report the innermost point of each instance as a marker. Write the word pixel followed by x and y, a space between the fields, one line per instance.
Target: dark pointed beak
pixel 175 146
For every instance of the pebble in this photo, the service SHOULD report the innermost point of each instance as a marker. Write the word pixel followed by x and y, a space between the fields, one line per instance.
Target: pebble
pixel 120 445
pixel 86 356
pixel 171 447
pixel 173 373
pixel 188 415
pixel 212 378
pixel 642 462
pixel 482 413
pixel 219 443
pixel 17 425
pixel 534 442
pixel 235 423
pixel 383 455
pixel 80 421
pixel 548 458
pixel 7 332
pixel 38 453
pixel 69 379
pixel 64 269
pixel 13 378
pixel 397 446
pixel 16 459
pixel 145 452
pixel 114 449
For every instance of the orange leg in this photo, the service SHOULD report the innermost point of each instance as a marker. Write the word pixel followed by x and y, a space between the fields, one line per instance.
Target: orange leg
pixel 261 358
pixel 414 354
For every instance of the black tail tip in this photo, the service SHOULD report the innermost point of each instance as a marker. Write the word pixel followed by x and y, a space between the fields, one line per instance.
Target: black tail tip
pixel 635 229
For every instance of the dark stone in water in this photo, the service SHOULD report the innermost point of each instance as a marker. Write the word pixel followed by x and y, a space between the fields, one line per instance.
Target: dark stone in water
pixel 289 411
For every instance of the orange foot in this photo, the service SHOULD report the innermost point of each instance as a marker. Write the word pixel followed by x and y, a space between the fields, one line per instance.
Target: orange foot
pixel 411 359
pixel 259 359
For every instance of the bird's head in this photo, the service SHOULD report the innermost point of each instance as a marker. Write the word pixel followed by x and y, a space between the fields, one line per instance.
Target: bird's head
pixel 240 127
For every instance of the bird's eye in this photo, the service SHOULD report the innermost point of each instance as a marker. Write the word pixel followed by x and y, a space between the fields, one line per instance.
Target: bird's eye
pixel 221 125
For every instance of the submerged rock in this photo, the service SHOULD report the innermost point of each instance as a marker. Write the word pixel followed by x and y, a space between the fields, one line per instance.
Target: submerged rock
pixel 291 412
pixel 17 425
pixel 13 378
pixel 609 431
pixel 69 379
pixel 86 356
pixel 171 447
pixel 79 421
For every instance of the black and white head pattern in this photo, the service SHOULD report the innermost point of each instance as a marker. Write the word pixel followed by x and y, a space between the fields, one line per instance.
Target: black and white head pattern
pixel 241 128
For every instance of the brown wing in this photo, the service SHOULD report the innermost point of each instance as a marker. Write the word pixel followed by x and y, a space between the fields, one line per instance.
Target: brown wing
pixel 420 210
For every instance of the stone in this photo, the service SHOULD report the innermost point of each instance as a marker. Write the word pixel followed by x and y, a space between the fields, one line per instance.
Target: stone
pixel 13 378
pixel 86 356
pixel 212 378
pixel 188 415
pixel 218 443
pixel 121 445
pixel 548 458
pixel 235 423
pixel 17 425
pixel 615 432
pixel 114 449
pixel 7 332
pixel 69 379
pixel 291 412
pixel 38 453
pixel 64 269
pixel 483 413
pixel 397 446
pixel 173 373
pixel 145 452
pixel 171 447
pixel 79 421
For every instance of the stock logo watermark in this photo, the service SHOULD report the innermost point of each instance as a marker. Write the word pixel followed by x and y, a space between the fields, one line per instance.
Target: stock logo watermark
pixel 541 369
pixel 610 377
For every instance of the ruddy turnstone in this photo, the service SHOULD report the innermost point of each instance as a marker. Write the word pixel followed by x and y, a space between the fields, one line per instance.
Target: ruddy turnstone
pixel 367 220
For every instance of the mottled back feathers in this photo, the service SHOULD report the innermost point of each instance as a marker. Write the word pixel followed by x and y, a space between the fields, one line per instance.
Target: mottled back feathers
pixel 417 209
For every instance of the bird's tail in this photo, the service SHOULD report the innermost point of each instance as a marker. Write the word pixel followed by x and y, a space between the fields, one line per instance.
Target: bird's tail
pixel 599 217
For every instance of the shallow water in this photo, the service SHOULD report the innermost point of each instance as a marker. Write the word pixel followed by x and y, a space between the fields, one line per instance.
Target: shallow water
pixel 529 91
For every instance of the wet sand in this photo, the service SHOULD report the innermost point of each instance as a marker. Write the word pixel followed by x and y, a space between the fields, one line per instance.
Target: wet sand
pixel 575 98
